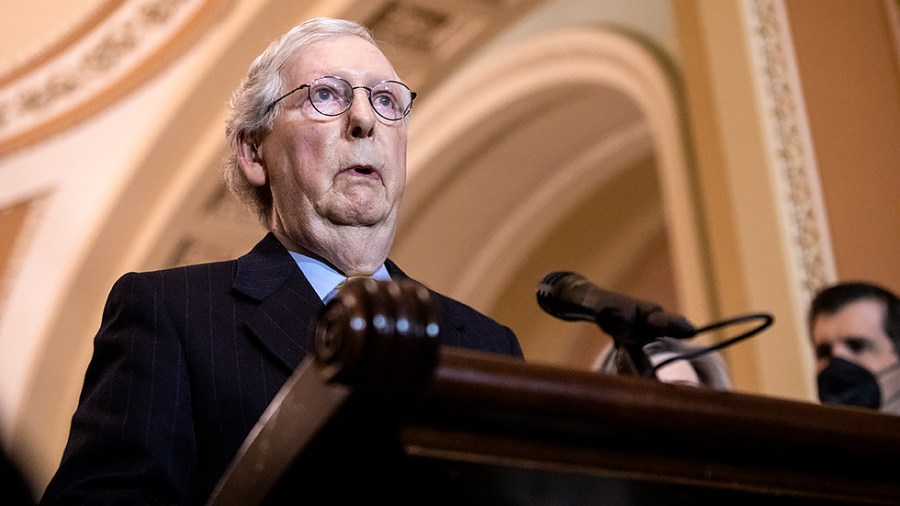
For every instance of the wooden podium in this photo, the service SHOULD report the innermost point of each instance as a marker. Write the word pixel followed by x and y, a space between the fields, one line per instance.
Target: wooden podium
pixel 383 415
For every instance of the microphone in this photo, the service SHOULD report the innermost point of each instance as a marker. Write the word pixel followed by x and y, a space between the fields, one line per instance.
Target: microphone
pixel 569 296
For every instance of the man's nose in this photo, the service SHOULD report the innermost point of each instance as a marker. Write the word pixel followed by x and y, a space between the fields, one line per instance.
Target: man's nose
pixel 362 119
pixel 844 352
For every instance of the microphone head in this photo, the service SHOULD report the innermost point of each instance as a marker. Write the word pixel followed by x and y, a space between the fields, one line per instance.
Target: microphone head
pixel 569 296
pixel 546 288
pixel 554 296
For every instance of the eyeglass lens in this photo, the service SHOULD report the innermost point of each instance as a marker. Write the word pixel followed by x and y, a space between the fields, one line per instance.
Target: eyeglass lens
pixel 332 96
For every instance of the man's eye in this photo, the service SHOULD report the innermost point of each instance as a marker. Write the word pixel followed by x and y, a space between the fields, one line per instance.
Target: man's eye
pixel 858 344
pixel 323 94
pixel 384 100
pixel 823 351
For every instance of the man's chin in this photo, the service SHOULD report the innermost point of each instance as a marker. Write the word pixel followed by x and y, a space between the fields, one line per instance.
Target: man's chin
pixel 358 211
pixel 360 218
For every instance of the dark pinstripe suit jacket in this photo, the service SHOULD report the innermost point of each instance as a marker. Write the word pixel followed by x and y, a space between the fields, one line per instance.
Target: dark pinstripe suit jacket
pixel 185 362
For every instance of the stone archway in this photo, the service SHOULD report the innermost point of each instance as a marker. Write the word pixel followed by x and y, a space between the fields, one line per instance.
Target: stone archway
pixel 565 151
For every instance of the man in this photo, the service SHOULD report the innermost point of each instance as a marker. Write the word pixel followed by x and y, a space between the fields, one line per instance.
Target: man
pixel 187 359
pixel 855 329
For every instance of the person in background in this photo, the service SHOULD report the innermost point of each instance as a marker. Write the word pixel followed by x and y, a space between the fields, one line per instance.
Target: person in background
pixel 187 359
pixel 855 332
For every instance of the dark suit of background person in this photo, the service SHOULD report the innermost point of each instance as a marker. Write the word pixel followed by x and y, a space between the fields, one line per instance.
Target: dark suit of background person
pixel 187 359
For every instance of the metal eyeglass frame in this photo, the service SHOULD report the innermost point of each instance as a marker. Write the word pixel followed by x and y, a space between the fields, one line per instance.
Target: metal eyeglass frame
pixel 308 86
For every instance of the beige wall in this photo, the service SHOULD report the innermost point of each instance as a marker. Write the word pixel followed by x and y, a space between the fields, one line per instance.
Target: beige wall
pixel 847 62
pixel 849 65
pixel 785 98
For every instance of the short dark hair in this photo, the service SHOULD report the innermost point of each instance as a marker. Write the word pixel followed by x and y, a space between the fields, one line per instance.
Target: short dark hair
pixel 831 299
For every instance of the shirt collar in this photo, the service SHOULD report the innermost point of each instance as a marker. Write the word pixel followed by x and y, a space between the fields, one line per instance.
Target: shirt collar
pixel 325 278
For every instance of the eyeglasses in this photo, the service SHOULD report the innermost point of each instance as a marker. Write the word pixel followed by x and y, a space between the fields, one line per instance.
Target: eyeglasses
pixel 333 96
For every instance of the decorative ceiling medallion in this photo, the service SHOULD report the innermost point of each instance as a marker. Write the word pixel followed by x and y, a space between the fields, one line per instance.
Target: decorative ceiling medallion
pixel 413 26
pixel 133 42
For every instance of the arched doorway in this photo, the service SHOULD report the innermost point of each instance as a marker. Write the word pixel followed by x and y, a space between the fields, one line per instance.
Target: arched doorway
pixel 563 152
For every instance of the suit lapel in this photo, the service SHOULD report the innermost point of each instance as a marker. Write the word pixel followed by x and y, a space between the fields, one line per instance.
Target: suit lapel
pixel 452 324
pixel 287 302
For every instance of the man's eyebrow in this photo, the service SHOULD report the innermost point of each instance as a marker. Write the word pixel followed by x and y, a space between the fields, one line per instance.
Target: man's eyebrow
pixel 857 337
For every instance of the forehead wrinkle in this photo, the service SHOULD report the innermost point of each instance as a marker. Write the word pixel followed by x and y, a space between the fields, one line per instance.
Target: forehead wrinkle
pixel 364 65
pixel 353 77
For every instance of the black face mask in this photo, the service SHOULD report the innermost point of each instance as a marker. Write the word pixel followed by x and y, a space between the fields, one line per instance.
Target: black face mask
pixel 844 382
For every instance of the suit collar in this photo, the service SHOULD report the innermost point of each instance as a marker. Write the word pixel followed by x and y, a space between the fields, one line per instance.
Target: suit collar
pixel 264 269
pixel 288 305
pixel 452 323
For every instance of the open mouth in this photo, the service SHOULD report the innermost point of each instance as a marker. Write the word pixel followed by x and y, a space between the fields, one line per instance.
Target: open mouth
pixel 362 170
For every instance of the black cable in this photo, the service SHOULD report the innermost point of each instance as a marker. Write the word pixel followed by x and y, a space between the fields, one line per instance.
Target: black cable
pixel 767 320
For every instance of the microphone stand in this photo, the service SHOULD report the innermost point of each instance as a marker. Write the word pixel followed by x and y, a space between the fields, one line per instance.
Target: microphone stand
pixel 629 346
pixel 631 330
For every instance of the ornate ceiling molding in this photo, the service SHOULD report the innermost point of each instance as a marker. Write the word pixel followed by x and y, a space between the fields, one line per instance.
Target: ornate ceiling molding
pixel 425 39
pixel 791 143
pixel 121 46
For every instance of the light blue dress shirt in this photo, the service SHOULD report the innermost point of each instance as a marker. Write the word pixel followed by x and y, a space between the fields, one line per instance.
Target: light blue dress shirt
pixel 323 277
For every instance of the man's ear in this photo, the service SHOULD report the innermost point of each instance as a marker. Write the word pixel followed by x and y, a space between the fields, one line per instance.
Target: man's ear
pixel 251 162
